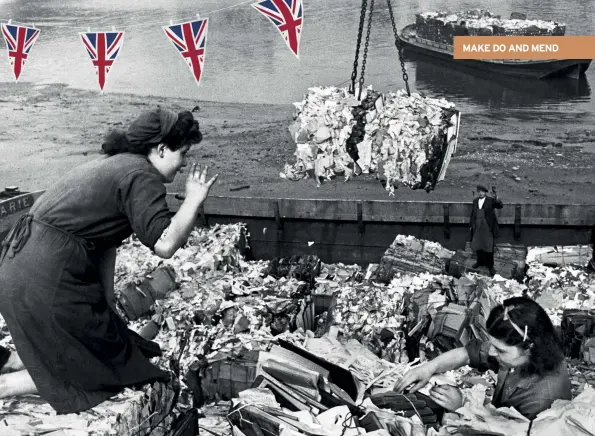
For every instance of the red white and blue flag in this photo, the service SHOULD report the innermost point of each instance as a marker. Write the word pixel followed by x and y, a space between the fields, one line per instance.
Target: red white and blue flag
pixel 190 39
pixel 19 40
pixel 103 48
pixel 288 18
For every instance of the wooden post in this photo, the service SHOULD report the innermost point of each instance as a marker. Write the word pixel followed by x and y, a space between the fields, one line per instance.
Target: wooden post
pixel 203 216
pixel 517 222
pixel 446 209
pixel 279 225
pixel 360 218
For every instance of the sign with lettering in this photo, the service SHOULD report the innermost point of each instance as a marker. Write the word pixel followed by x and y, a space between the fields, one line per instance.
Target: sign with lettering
pixel 16 204
pixel 524 47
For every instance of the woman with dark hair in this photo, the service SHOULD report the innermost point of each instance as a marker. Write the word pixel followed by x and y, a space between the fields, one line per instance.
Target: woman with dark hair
pixel 57 265
pixel 523 349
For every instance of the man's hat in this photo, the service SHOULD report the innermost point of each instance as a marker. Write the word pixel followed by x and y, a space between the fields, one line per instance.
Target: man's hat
pixel 482 188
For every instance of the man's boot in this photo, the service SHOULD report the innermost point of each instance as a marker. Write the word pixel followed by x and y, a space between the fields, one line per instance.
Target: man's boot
pixel 490 263
pixel 478 262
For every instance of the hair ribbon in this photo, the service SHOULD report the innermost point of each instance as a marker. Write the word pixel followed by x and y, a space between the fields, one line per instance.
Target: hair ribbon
pixel 516 327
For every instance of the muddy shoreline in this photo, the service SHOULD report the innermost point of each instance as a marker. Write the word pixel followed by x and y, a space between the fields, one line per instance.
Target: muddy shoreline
pixel 48 129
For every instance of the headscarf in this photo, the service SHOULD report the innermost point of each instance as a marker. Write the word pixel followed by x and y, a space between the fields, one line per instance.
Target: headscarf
pixel 151 126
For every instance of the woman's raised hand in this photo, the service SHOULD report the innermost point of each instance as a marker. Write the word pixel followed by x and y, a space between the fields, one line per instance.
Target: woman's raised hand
pixel 197 186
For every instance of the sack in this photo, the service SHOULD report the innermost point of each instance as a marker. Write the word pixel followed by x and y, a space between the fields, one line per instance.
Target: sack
pixel 135 301
pixel 162 281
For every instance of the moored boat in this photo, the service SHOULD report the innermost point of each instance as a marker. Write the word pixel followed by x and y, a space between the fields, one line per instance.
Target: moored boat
pixel 538 69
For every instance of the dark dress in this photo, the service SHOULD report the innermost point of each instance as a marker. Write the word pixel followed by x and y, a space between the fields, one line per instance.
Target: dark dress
pixel 529 394
pixel 77 350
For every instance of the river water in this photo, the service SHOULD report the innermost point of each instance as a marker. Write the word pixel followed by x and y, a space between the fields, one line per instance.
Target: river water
pixel 247 61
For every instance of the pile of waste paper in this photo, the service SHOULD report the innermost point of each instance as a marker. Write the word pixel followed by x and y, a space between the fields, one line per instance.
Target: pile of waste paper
pixel 444 26
pixel 559 288
pixel 407 140
pixel 296 346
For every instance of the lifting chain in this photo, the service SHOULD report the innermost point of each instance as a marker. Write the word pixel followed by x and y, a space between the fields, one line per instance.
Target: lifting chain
pixel 360 31
pixel 361 77
pixel 358 45
pixel 399 47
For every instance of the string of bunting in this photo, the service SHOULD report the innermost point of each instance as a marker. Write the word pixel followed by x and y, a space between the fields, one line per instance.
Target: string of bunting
pixel 188 37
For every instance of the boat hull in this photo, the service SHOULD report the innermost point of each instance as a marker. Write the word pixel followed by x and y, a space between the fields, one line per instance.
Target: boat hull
pixel 537 69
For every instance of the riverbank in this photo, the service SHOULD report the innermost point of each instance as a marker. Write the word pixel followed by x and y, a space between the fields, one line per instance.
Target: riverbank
pixel 49 129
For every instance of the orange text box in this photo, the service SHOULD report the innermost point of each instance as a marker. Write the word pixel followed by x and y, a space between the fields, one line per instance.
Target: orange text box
pixel 524 47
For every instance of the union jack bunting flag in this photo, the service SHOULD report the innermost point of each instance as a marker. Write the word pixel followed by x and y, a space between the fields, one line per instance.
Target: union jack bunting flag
pixel 288 18
pixel 190 39
pixel 103 48
pixel 19 40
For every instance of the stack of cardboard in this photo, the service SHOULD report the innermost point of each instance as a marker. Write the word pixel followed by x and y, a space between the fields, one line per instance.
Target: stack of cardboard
pixel 559 256
pixel 463 319
pixel 318 388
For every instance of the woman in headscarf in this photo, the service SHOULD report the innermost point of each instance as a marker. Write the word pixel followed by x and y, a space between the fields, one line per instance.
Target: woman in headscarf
pixel 57 265
pixel 523 349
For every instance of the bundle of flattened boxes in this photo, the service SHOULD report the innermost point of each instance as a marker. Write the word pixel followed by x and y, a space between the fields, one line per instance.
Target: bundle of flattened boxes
pixel 442 27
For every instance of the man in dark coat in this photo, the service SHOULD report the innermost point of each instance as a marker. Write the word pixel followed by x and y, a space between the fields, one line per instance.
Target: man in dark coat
pixel 484 227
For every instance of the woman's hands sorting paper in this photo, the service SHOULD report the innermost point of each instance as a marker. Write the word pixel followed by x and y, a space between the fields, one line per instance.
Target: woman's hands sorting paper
pixel 448 397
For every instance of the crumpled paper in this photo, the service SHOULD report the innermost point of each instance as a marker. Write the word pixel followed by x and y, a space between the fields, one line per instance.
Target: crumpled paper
pixel 401 135
pixel 568 418
pixel 564 418
pixel 213 248
pixel 476 418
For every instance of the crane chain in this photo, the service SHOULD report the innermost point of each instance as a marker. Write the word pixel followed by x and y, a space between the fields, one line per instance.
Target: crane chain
pixel 399 47
pixel 361 78
pixel 360 31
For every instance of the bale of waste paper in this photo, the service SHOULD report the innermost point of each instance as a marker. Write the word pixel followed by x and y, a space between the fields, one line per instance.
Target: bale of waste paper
pixel 408 254
pixel 477 22
pixel 406 140
pixel 141 412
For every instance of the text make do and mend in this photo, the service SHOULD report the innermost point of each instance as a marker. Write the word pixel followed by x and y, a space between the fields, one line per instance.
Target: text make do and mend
pixel 510 48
